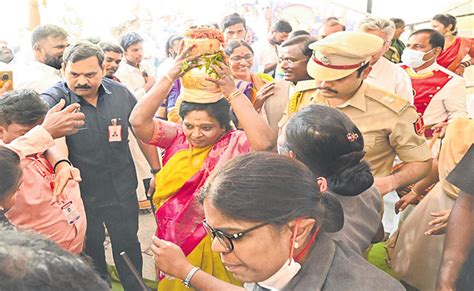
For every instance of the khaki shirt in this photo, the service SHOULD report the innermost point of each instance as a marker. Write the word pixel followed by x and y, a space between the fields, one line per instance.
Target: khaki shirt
pixel 388 125
pixel 304 94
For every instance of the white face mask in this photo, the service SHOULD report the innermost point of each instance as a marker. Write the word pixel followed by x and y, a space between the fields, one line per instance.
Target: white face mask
pixel 282 277
pixel 414 58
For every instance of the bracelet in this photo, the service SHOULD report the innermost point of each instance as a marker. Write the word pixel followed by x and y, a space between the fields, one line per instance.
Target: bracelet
pixel 167 76
pixel 465 64
pixel 189 277
pixel 414 192
pixel 233 95
pixel 60 161
pixel 154 171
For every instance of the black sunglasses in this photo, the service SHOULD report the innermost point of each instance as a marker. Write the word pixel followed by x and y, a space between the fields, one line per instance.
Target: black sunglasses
pixel 226 239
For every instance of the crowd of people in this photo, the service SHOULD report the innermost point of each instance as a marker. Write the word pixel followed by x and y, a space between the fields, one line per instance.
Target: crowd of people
pixel 316 148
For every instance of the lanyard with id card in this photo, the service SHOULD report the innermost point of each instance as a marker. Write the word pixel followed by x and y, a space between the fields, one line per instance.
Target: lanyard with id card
pixel 115 131
pixel 67 207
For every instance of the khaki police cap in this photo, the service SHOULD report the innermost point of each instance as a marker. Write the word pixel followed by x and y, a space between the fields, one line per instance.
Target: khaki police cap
pixel 340 54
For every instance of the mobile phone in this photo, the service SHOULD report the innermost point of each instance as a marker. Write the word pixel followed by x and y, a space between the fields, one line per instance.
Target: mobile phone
pixel 6 76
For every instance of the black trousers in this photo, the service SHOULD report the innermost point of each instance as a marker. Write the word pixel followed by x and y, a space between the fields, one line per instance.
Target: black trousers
pixel 122 224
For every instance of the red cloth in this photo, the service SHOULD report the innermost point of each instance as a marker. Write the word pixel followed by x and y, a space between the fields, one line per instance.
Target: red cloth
pixel 425 88
pixel 451 57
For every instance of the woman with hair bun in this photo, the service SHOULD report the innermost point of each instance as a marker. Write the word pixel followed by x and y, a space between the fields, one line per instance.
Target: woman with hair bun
pixel 269 222
pixel 458 51
pixel 332 147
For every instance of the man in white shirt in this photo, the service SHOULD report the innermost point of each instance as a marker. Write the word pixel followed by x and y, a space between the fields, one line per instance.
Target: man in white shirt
pixel 48 42
pixel 385 74
pixel 132 73
pixel 268 52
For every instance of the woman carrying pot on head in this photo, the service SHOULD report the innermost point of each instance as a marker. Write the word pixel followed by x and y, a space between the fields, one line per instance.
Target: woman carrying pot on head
pixel 203 141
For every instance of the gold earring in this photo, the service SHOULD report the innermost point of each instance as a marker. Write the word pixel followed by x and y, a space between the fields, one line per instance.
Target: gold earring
pixel 296 245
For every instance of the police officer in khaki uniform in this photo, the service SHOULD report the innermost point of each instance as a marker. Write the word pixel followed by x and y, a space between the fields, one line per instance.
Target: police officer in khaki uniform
pixel 339 65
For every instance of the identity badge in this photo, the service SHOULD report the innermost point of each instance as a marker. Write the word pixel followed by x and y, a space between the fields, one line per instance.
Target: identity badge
pixel 115 131
pixel 70 212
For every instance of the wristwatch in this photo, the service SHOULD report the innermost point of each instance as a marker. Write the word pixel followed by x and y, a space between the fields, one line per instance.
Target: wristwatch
pixel 154 171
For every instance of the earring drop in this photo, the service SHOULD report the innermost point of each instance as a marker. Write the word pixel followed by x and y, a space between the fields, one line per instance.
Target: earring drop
pixel 296 245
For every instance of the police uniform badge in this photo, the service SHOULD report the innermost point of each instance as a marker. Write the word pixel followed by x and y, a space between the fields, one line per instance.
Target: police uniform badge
pixel 419 125
pixel 321 57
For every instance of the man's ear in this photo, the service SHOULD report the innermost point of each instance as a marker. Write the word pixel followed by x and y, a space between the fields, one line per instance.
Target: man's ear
pixel 437 51
pixel 37 47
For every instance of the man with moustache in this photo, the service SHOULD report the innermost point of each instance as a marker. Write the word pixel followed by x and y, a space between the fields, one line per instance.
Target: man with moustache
pixel 390 125
pixel 48 42
pixel 102 153
pixel 113 56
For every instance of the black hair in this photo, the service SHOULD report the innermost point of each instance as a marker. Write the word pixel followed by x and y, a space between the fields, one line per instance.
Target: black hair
pixel 24 107
pixel 219 110
pixel 266 187
pixel 47 30
pixel 232 45
pixel 81 51
pixel 398 22
pixel 282 26
pixel 29 261
pixel 169 44
pixel 304 41
pixel 93 39
pixel 298 33
pixel 231 20
pixel 10 172
pixel 436 38
pixel 108 46
pixel 446 20
pixel 332 146
pixel 130 39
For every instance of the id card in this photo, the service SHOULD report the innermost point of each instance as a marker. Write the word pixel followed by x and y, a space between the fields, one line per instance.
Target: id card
pixel 115 131
pixel 70 212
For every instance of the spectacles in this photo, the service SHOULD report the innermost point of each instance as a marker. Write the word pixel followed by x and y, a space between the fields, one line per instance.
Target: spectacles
pixel 226 239
pixel 291 62
pixel 239 58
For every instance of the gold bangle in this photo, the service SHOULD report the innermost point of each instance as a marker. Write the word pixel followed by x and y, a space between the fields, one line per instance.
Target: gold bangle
pixel 167 76
pixel 233 95
pixel 414 192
